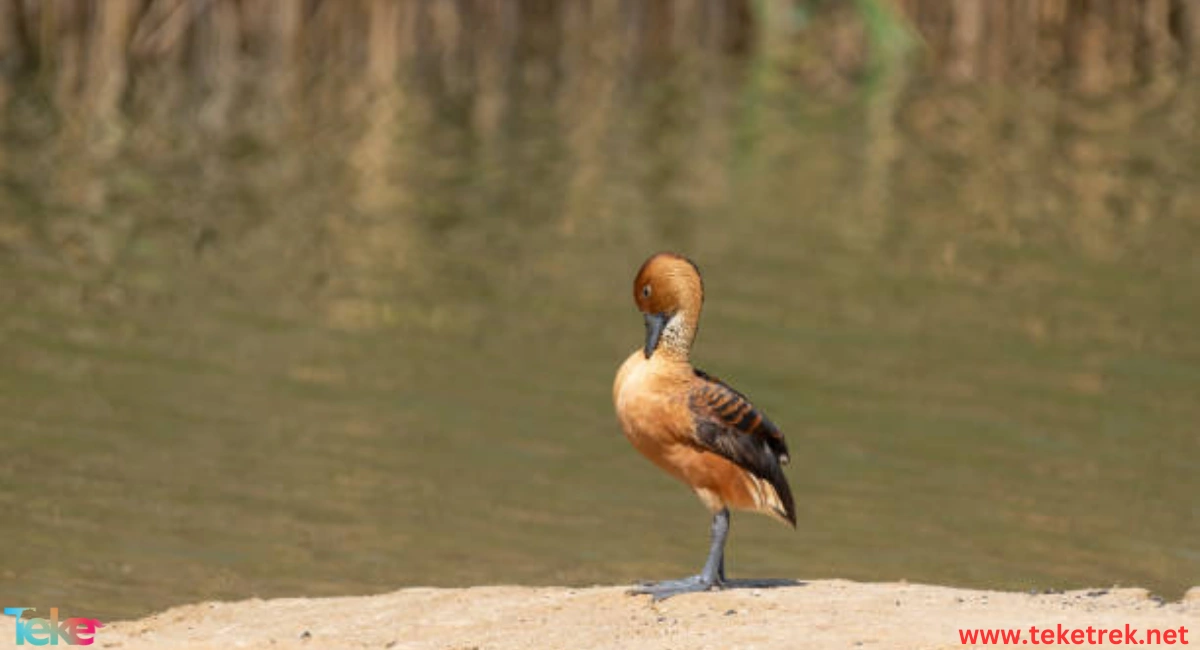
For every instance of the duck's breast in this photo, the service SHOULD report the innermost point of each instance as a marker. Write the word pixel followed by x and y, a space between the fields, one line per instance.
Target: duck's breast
pixel 652 410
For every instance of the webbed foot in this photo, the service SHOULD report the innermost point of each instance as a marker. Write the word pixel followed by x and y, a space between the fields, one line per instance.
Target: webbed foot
pixel 669 588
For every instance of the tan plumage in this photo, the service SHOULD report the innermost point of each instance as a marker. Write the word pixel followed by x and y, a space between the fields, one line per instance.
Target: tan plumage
pixel 692 425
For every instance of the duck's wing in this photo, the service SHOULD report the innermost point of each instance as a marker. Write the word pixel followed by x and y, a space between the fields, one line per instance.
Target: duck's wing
pixel 729 425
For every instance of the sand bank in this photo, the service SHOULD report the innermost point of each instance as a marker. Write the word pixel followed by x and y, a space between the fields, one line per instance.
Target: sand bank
pixel 819 614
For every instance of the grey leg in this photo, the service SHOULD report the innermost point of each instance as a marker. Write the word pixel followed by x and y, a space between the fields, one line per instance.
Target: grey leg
pixel 711 577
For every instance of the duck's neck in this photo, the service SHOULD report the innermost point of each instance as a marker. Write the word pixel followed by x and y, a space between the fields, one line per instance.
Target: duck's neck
pixel 678 335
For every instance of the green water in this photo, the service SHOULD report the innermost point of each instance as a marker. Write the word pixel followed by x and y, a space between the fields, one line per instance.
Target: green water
pixel 338 357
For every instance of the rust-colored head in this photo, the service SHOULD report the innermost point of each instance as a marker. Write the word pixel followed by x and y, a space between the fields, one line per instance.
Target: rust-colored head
pixel 669 293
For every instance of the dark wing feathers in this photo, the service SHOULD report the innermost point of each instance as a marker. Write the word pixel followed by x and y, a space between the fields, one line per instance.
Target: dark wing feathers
pixel 729 412
pixel 729 425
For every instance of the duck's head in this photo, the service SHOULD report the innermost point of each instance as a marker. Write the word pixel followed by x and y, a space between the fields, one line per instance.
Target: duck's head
pixel 669 293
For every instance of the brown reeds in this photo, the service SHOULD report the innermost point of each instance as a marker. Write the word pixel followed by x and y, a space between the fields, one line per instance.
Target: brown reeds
pixel 93 56
pixel 384 96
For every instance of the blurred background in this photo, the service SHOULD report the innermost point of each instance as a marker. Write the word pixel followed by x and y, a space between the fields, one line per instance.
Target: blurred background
pixel 326 297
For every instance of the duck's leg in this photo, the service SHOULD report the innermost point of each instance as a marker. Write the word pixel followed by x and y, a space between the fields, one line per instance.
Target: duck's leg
pixel 711 577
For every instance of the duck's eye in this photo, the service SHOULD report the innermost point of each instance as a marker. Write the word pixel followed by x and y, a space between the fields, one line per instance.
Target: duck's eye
pixel 646 291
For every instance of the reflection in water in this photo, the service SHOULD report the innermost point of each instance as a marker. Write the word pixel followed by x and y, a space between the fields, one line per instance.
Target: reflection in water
pixel 273 324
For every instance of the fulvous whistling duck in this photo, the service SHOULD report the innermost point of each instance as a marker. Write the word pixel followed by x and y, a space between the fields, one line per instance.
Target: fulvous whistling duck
pixel 691 424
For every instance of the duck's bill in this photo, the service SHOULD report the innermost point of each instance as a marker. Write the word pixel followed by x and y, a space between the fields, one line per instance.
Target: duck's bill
pixel 655 323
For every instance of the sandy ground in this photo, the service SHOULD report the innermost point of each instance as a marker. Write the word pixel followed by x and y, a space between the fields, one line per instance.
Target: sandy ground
pixel 820 614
